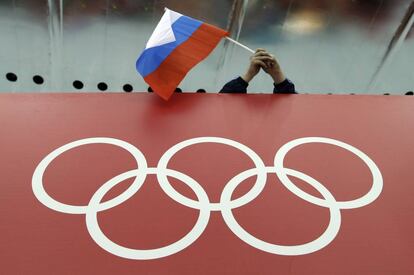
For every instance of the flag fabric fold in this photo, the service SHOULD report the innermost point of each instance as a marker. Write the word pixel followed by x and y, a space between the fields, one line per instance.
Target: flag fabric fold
pixel 177 44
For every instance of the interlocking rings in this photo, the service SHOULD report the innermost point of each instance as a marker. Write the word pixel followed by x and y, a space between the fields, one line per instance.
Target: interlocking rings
pixel 203 204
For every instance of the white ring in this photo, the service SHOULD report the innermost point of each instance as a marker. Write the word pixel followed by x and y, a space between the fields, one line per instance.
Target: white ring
pixel 372 195
pixel 246 198
pixel 41 194
pixel 292 250
pixel 146 254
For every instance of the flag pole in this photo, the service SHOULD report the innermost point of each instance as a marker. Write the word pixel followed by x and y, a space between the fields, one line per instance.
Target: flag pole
pixel 239 44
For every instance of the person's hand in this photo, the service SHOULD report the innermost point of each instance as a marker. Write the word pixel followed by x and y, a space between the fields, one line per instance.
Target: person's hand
pixel 260 59
pixel 273 69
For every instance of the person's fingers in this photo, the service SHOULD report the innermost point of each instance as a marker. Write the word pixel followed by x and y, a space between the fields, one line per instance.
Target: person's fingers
pixel 273 61
pixel 261 51
pixel 267 54
pixel 260 63
pixel 274 58
pixel 262 54
pixel 264 58
pixel 261 58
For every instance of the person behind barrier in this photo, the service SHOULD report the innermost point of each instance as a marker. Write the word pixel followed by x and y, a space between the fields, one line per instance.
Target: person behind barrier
pixel 261 60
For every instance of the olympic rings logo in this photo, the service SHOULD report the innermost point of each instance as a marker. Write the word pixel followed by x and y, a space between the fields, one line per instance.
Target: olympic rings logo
pixel 203 204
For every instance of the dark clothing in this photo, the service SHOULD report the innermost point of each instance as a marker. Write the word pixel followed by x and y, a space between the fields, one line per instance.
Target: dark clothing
pixel 239 86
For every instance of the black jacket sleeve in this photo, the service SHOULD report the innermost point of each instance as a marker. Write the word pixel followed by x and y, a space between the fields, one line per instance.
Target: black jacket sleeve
pixel 236 86
pixel 239 86
pixel 286 87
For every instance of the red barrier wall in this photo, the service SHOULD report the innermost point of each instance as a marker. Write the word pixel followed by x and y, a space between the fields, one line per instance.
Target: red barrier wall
pixel 356 151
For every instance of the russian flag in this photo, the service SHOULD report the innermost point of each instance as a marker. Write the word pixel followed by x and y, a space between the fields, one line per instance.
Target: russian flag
pixel 177 45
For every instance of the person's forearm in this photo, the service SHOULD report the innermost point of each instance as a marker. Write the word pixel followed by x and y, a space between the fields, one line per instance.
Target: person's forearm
pixel 278 77
pixel 248 76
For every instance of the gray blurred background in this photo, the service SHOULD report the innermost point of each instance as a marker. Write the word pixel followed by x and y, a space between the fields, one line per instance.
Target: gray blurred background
pixel 324 46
